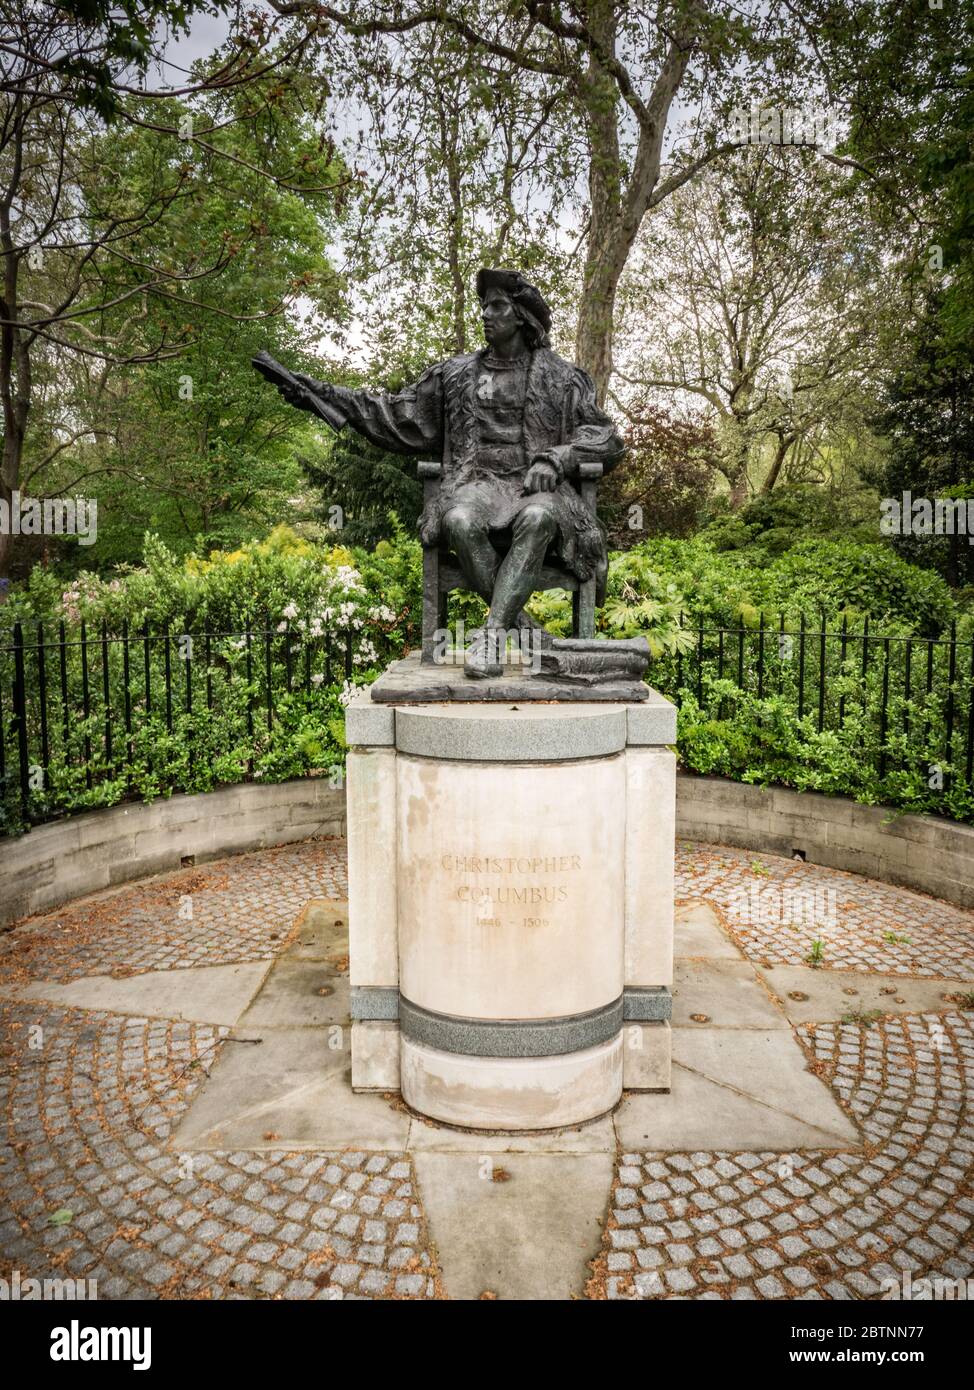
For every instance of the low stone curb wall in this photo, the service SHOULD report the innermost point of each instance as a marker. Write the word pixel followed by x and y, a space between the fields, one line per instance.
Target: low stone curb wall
pixel 922 852
pixel 55 863
pixel 84 854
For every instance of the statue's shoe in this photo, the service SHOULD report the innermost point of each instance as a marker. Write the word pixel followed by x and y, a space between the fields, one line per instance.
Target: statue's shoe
pixel 483 656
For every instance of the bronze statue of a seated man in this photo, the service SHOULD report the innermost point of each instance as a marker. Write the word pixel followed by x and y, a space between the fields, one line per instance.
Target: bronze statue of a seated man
pixel 512 423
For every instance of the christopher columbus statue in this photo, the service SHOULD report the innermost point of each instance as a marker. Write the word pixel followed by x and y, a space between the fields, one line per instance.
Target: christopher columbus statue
pixel 512 423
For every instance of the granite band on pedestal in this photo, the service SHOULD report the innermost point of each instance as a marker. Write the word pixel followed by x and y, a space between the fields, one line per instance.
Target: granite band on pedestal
pixel 374 1002
pixel 513 1037
pixel 510 1037
pixel 647 1004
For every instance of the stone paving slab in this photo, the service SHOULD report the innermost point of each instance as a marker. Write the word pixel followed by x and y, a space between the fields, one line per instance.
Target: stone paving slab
pixel 292 1087
pixel 698 934
pixel 724 993
pixel 838 994
pixel 207 994
pixel 750 1087
pixel 322 933
pixel 300 994
pixel 514 1226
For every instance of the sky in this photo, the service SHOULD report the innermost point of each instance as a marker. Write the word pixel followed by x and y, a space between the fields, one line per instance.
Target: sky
pixel 206 33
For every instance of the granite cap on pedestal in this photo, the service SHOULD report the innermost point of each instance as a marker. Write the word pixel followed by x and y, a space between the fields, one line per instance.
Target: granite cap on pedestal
pixel 501 733
pixel 495 731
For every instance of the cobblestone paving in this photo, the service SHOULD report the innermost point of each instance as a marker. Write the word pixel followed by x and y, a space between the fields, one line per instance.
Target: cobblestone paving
pixel 775 908
pixel 242 910
pixel 89 1190
pixel 816 1225
pixel 89 1101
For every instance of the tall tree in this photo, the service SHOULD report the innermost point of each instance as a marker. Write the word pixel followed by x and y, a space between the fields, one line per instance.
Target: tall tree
pixel 617 72
pixel 900 70
pixel 210 449
pixel 754 294
pixel 900 73
pixel 927 417
pixel 71 237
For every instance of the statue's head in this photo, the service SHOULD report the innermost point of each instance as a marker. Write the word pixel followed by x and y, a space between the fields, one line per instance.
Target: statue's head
pixel 511 305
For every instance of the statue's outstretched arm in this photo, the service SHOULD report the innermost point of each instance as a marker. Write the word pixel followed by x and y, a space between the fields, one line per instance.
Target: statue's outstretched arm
pixel 404 422
pixel 409 421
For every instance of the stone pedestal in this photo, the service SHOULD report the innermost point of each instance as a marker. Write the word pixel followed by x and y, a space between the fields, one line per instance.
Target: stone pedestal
pixel 510 906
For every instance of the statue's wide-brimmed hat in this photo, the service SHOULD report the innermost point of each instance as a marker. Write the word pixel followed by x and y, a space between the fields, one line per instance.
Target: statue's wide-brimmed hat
pixel 512 282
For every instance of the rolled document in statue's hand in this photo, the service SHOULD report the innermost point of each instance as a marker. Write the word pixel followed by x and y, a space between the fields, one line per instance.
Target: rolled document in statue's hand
pixel 296 388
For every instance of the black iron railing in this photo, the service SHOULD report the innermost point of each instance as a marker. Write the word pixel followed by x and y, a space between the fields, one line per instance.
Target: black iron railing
pixel 88 716
pixel 82 708
pixel 908 699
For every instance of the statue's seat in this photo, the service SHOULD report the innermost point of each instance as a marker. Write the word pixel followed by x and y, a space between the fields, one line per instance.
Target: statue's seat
pixel 442 573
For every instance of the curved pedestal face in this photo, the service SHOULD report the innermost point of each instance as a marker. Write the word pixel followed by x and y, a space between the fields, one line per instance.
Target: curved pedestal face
pixel 512 1092
pixel 511 908
pixel 511 886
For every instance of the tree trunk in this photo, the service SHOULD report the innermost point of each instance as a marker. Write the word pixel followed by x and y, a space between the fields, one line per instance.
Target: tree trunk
pixel 618 205
pixel 449 136
pixel 785 441
pixel 599 98
pixel 15 393
pixel 738 489
pixel 15 379
pixel 6 546
pixel 593 347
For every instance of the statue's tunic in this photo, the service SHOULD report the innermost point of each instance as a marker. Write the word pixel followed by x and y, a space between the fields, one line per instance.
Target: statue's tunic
pixel 488 419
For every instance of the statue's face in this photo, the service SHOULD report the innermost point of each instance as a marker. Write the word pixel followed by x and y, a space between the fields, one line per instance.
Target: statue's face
pixel 501 323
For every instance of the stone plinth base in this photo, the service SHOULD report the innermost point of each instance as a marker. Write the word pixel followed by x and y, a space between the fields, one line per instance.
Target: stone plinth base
pixel 510 906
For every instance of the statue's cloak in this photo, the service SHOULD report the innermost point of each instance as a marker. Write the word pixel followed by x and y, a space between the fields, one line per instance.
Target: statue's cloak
pixel 440 416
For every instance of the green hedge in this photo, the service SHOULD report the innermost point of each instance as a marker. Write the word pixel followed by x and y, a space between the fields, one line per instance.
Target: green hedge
pixel 297 590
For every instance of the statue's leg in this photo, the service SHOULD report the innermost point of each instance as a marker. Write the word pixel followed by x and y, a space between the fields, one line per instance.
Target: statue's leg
pixel 533 530
pixel 466 536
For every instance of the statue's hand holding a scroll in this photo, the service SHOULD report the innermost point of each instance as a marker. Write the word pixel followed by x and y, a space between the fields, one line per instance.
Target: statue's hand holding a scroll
pixel 302 388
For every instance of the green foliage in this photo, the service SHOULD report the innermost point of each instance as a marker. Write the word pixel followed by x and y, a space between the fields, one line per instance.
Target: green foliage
pixel 725 731
pixel 928 419
pixel 902 68
pixel 372 490
pixel 203 451
pixel 841 577
pixel 665 481
pixel 289 592
pixel 303 605
pixel 793 512
pixel 639 602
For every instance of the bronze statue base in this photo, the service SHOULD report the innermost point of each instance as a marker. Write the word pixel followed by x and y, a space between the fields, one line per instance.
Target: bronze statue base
pixel 412 681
